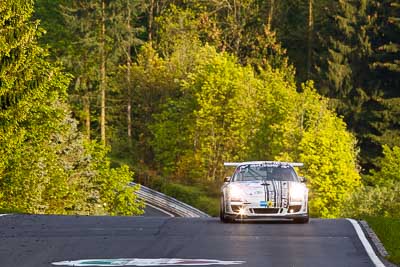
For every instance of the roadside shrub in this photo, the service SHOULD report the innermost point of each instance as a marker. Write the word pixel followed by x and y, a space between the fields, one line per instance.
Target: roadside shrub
pixel 193 196
pixel 187 194
pixel 209 205
pixel 374 201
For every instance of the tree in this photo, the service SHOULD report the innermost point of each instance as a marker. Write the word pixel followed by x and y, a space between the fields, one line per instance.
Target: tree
pixel 86 55
pixel 388 172
pixel 29 90
pixel 359 74
pixel 329 154
pixel 385 64
pixel 124 18
pixel 46 165
pixel 224 112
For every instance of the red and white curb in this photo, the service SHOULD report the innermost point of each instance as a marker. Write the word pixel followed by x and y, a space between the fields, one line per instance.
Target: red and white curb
pixel 368 248
pixel 145 262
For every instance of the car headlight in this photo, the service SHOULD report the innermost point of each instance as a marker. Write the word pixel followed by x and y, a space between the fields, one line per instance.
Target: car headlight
pixel 235 193
pixel 297 192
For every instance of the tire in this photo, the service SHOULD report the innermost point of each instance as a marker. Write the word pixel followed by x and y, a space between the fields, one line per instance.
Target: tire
pixel 221 210
pixel 222 215
pixel 302 220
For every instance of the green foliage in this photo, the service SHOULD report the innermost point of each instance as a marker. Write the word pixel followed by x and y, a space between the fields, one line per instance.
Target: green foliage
pixel 352 50
pixel 194 105
pixel 185 193
pixel 46 165
pixel 381 195
pixel 389 172
pixel 176 26
pixel 359 71
pixel 374 201
pixel 65 174
pixel 115 195
pixel 329 153
pixel 210 116
pixel 193 196
pixel 225 113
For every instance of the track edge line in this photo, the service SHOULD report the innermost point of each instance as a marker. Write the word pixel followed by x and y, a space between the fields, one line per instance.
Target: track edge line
pixel 367 246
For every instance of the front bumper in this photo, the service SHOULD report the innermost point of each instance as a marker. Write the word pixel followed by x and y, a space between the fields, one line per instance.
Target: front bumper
pixel 245 218
pixel 239 211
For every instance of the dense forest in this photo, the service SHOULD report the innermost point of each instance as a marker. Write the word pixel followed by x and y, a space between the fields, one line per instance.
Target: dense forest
pixel 170 89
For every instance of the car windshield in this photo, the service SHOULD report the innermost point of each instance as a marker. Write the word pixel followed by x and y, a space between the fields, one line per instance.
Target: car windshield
pixel 263 172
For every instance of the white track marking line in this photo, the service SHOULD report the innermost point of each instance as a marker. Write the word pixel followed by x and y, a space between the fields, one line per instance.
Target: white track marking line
pixel 370 251
pixel 4 214
pixel 159 209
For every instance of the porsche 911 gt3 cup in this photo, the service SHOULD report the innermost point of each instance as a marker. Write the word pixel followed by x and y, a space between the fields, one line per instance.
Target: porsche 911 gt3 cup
pixel 264 190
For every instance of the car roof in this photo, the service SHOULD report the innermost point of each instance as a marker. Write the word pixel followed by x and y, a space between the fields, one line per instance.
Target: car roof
pixel 269 163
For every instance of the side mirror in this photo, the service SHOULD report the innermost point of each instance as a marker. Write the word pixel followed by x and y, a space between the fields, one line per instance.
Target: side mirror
pixel 227 179
pixel 303 179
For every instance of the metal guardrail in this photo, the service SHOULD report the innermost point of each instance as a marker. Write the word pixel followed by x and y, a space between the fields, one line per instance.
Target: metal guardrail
pixel 168 203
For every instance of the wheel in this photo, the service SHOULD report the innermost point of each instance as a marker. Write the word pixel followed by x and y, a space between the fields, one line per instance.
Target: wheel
pixel 302 220
pixel 221 210
pixel 222 215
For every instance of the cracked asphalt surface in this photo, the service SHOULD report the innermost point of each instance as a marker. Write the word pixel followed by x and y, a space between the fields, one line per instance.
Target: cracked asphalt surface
pixel 39 240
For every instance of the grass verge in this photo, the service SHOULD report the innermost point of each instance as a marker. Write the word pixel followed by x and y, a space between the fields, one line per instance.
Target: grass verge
pixel 193 196
pixel 388 231
pixel 8 211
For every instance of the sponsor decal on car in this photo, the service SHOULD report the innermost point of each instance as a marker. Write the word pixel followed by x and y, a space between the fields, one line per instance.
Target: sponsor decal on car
pixel 266 204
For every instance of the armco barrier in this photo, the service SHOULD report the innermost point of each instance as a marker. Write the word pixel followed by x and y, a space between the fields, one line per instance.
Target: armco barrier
pixel 168 203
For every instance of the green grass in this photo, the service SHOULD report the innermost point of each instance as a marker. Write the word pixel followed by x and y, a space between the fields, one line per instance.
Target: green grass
pixel 388 231
pixel 193 196
pixel 8 211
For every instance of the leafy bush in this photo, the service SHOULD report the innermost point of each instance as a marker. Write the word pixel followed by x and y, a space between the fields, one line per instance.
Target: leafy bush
pixel 209 205
pixel 389 171
pixel 193 196
pixel 187 194
pixel 381 197
pixel 374 201
pixel 226 112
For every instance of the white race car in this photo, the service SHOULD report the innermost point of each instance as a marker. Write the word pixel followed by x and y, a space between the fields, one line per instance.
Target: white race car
pixel 264 190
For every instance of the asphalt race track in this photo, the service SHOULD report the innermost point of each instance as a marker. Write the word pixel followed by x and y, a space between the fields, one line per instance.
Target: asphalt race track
pixel 39 240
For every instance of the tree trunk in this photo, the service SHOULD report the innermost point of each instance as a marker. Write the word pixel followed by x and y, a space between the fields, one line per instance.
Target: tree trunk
pixel 86 111
pixel 128 78
pixel 150 29
pixel 103 74
pixel 238 25
pixel 310 37
pixel 270 14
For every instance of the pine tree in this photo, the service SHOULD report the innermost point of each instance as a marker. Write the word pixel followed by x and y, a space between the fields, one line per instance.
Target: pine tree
pixel 360 73
pixel 385 39
pixel 346 74
pixel 29 89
